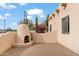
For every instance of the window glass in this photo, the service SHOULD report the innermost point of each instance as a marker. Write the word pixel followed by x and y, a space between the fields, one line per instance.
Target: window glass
pixel 65 25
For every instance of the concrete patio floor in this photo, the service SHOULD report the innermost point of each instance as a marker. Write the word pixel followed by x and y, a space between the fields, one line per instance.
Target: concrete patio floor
pixel 51 49
pixel 14 51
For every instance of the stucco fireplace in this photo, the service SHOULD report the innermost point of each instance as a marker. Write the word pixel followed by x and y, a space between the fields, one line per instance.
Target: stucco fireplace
pixel 23 36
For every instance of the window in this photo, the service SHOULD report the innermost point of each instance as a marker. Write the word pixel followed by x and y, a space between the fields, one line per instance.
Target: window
pixel 65 25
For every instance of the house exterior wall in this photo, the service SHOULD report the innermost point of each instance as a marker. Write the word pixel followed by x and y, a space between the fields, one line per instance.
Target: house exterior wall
pixel 70 40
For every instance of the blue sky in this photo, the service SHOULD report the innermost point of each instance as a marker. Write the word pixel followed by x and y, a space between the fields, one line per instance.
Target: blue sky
pixel 13 12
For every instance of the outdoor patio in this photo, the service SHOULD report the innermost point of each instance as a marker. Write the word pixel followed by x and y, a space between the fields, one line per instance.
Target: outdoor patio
pixel 42 49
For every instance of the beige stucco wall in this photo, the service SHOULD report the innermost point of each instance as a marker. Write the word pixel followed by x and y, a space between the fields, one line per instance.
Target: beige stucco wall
pixel 70 40
pixel 6 41
pixel 49 37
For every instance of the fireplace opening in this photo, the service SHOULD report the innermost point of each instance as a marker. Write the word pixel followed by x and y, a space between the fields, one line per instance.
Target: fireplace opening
pixel 26 39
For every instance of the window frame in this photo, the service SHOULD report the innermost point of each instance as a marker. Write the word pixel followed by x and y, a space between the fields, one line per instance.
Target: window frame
pixel 66 24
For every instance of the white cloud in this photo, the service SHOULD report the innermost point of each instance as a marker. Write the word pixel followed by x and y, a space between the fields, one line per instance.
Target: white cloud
pixel 7 6
pixel 4 16
pixel 35 11
pixel 29 17
pixel 41 16
pixel 15 24
pixel 7 14
pixel 21 4
pixel 1 17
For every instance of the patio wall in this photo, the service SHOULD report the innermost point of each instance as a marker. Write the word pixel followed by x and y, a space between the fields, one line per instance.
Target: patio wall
pixel 49 37
pixel 6 41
